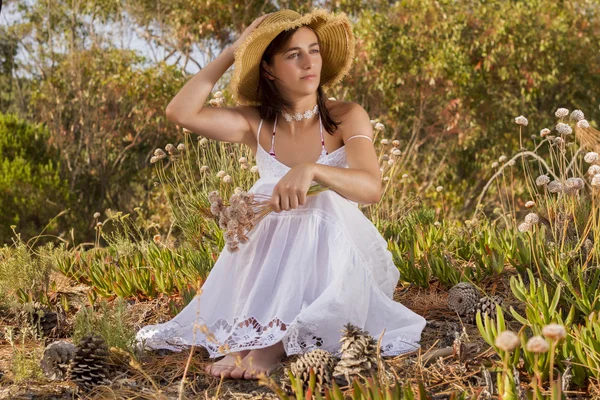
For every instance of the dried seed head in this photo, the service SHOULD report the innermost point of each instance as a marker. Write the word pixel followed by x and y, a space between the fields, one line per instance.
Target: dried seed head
pixel 396 143
pixel 511 163
pixel 385 142
pixel 524 227
pixel 537 344
pixel 227 179
pixel 396 152
pixel 379 126
pixel 532 218
pixel 204 168
pixel 96 215
pixel 521 120
pixel 577 115
pixel 243 160
pixel 555 187
pixel 591 157
pixel 564 129
pixel 596 180
pixel 181 147
pixel 221 174
pixel 170 148
pixel 439 189
pixel 583 124
pixel 218 94
pixel 530 204
pixel 156 238
pixel 254 169
pixel 203 141
pixel 554 331
pixel 561 113
pixel 404 176
pixel 502 159
pixel 160 153
pixel 495 164
pixel 544 132
pixel 507 340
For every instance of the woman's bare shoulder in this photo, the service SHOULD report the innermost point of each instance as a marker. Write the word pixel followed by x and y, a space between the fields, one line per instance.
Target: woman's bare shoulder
pixel 351 115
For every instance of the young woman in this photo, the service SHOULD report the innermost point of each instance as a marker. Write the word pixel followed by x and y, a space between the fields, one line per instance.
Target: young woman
pixel 317 262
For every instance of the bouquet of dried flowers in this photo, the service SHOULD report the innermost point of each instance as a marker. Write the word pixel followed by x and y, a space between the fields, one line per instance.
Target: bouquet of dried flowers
pixel 244 211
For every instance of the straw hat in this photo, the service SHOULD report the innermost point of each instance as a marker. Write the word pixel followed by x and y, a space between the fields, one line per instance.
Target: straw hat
pixel 335 37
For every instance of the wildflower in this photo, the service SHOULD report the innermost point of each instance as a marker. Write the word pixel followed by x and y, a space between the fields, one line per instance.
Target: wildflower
pixel 542 180
pixel 497 211
pixel 558 141
pixel 204 168
pixel 530 204
pixel 574 184
pixel 254 169
pixel 583 124
pixel 332 98
pixel 533 137
pixel 96 215
pixel 156 238
pixel 563 129
pixel 577 115
pixel 544 132
pixel 373 122
pixel 170 148
pixel 396 152
pixel 385 142
pixel 185 130
pixel 221 174
pixel 591 157
pixel 243 160
pixel 244 166
pixel 596 180
pixel 387 178
pixel 404 176
pixel 385 157
pixel 521 120
pixel 495 164
pixel 537 344
pixel 99 224
pixel 511 163
pixel 160 153
pixel 218 94
pixel 437 224
pixel 227 179
pixel 593 170
pixel 390 161
pixel 396 143
pixel 507 340
pixel 379 126
pixel 203 141
pixel 181 147
pixel 439 189
pixel 214 102
pixel 532 218
pixel 380 169
pixel 154 159
pixel 524 227
pixel 554 331
pixel 238 190
pixel 502 159
pixel 561 113
pixel 555 187
pixel 156 184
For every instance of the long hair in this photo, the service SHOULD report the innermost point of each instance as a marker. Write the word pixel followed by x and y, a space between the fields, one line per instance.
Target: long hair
pixel 271 101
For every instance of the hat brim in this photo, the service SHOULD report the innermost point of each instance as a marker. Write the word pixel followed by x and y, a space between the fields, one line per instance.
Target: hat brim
pixel 336 47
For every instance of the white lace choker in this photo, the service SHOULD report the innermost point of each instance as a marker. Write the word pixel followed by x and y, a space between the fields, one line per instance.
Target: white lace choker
pixel 300 116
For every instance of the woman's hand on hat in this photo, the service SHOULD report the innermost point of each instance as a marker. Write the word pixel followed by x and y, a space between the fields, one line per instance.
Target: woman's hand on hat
pixel 290 191
pixel 249 29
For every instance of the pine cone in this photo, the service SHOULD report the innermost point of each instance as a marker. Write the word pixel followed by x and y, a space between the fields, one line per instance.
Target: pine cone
pixel 359 355
pixel 41 318
pixel 90 364
pixel 462 298
pixel 320 361
pixel 57 359
pixel 486 305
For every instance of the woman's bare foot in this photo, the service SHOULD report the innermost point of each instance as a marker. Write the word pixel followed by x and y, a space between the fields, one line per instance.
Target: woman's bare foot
pixel 258 361
pixel 224 366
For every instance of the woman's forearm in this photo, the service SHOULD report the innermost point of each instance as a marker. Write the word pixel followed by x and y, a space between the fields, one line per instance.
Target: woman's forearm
pixel 192 96
pixel 355 184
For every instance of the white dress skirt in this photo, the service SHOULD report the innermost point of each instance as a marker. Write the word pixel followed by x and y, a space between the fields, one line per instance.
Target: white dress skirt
pixel 303 275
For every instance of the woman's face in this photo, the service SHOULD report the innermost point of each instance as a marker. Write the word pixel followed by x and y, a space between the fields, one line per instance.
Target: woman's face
pixel 298 67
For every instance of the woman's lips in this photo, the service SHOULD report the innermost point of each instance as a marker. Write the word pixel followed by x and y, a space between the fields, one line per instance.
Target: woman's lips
pixel 309 77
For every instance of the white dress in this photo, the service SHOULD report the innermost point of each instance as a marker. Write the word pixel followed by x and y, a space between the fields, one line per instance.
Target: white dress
pixel 303 274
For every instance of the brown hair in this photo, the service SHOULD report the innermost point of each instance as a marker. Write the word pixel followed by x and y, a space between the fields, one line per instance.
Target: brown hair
pixel 271 101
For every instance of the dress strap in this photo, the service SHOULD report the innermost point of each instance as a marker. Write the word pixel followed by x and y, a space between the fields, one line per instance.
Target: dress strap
pixel 272 151
pixel 258 132
pixel 323 150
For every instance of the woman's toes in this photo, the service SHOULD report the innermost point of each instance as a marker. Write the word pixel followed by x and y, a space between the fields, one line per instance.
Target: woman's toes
pixel 237 373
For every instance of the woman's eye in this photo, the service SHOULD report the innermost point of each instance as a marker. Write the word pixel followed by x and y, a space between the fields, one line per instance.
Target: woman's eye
pixel 316 50
pixel 292 55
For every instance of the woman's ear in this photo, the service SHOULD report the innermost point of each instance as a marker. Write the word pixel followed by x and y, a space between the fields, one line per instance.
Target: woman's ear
pixel 268 70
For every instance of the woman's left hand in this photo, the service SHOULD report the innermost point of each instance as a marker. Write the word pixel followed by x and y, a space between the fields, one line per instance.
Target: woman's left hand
pixel 290 191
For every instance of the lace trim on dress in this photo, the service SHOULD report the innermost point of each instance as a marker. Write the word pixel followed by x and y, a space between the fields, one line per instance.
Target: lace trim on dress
pixel 247 333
